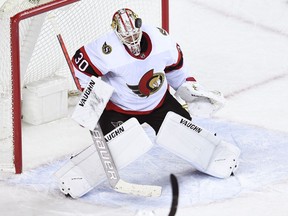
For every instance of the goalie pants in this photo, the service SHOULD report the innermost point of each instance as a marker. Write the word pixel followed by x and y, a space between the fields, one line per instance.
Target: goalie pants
pixel 111 119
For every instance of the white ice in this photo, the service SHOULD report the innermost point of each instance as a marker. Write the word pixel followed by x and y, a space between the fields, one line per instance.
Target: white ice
pixel 237 47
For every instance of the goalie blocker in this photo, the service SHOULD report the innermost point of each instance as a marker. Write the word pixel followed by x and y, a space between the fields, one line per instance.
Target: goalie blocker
pixel 207 152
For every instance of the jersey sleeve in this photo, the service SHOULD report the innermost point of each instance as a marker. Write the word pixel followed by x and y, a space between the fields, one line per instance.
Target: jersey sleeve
pixel 91 60
pixel 83 67
pixel 176 71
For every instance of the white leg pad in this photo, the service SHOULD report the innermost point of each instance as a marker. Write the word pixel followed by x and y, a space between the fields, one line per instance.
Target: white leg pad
pixel 206 152
pixel 81 173
pixel 224 160
pixel 84 171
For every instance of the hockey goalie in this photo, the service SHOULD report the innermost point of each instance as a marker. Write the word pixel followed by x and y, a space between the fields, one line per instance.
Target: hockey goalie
pixel 125 76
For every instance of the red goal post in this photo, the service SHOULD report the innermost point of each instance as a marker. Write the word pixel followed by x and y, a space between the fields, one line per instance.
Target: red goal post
pixel 31 62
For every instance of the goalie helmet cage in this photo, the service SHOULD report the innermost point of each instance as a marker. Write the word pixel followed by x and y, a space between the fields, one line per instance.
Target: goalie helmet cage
pixel 32 52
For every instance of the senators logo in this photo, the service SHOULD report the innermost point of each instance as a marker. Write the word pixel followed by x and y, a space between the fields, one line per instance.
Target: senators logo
pixel 149 84
pixel 106 49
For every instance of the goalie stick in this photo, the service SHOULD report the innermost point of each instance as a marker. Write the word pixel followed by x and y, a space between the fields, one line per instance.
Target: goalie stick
pixel 102 148
pixel 175 195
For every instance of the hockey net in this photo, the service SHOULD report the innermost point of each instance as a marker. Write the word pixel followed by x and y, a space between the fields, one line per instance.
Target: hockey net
pixel 30 51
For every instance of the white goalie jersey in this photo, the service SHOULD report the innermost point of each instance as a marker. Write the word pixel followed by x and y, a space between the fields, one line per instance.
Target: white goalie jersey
pixel 140 82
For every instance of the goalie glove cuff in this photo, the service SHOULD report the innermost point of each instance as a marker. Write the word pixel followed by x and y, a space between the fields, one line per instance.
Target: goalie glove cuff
pixel 201 102
pixel 190 90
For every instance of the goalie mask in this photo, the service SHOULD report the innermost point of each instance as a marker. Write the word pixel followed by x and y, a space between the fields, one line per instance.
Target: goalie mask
pixel 126 25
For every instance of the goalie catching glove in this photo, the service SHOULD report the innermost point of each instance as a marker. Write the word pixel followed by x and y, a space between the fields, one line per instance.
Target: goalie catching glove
pixel 201 102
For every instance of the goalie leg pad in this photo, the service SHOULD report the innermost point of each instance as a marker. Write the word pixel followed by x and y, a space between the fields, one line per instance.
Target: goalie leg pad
pixel 206 152
pixel 84 171
pixel 80 173
pixel 224 160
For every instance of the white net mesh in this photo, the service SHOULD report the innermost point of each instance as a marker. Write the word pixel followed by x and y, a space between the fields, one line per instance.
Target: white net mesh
pixel 40 53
